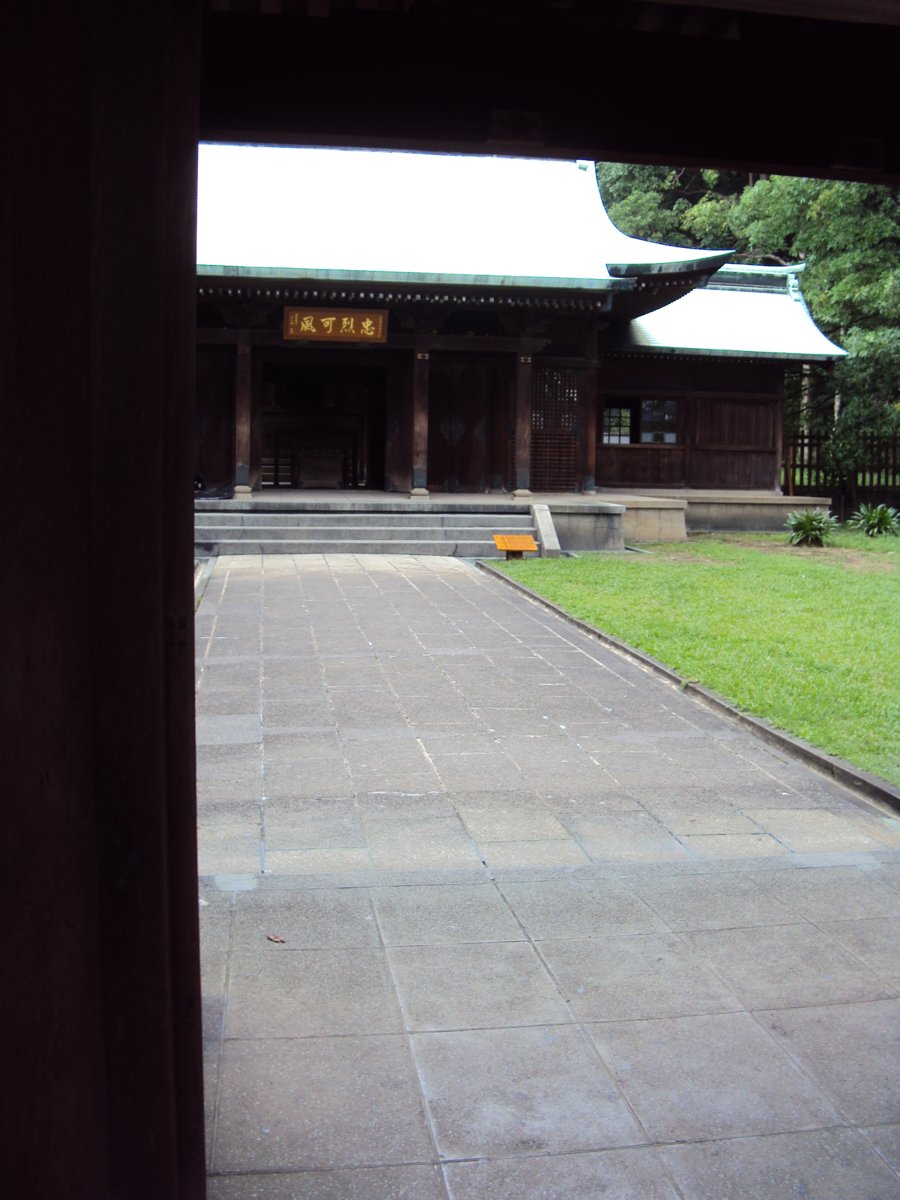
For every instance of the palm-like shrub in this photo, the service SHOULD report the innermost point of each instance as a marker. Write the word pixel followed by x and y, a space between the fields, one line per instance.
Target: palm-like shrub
pixel 810 527
pixel 876 519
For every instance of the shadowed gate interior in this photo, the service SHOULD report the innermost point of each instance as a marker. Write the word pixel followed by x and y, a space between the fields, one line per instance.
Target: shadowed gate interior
pixel 321 426
pixel 469 424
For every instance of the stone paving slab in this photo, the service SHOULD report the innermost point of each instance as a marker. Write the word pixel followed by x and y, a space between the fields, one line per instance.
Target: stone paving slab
pixel 489 910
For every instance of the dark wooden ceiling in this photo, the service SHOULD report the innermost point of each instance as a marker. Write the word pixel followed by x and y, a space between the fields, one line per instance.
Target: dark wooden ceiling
pixel 796 86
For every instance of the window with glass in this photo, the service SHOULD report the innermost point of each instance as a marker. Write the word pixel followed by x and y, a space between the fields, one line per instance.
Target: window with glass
pixel 659 421
pixel 646 422
pixel 617 425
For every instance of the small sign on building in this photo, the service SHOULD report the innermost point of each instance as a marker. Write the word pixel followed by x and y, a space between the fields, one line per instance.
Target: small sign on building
pixel 335 325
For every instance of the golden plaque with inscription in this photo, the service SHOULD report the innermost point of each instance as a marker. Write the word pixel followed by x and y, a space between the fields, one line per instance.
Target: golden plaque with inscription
pixel 335 325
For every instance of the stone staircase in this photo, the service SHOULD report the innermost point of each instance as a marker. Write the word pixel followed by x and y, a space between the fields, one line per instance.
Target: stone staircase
pixel 431 527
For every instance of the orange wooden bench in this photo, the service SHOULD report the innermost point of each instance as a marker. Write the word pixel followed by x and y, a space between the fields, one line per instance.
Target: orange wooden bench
pixel 514 543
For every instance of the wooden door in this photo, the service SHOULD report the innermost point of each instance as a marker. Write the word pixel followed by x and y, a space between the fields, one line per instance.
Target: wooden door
pixel 458 424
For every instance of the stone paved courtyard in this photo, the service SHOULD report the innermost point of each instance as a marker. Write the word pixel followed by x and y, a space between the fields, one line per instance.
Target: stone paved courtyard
pixel 491 912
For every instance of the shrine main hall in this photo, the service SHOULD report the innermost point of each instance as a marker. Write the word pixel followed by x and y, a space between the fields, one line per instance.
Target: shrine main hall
pixel 433 323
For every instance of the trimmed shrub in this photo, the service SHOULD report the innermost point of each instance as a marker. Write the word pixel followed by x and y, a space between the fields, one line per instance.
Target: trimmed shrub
pixel 810 527
pixel 874 520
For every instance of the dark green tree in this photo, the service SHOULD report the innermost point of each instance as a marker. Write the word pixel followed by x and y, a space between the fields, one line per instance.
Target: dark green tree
pixel 684 206
pixel 848 236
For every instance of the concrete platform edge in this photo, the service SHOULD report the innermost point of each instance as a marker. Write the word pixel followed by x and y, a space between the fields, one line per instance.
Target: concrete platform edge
pixel 202 572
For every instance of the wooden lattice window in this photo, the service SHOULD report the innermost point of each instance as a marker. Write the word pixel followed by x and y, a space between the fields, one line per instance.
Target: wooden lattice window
pixel 554 430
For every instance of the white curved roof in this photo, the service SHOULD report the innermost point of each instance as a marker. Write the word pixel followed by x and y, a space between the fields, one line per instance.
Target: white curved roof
pixel 736 317
pixel 398 215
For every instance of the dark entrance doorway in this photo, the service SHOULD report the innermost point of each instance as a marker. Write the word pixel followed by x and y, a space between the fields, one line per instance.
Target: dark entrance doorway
pixel 322 426
pixel 468 424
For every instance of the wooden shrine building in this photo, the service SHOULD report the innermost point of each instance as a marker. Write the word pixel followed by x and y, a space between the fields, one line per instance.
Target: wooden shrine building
pixel 418 323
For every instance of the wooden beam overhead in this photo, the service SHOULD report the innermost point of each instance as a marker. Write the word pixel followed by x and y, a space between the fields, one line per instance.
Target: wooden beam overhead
pixel 784 91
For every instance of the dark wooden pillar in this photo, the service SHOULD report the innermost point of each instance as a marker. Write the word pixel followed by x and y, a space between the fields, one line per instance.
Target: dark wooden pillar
pixel 587 414
pixel 243 415
pixel 501 426
pixel 778 435
pixel 522 453
pixel 689 411
pixel 420 416
pixel 101 1001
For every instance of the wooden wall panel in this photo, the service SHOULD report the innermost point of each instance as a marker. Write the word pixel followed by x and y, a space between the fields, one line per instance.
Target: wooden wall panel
pixel 640 466
pixel 633 375
pixel 728 426
pixel 736 375
pixel 741 469
pixel 734 424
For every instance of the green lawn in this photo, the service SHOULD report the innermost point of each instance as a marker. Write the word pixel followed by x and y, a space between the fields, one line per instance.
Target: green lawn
pixel 807 638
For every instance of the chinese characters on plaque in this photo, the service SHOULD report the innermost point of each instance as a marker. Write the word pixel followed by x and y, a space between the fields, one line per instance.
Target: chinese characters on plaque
pixel 335 325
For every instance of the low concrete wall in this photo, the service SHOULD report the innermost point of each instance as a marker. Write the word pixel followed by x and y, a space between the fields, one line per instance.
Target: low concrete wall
pixel 652 520
pixel 548 538
pixel 757 514
pixel 589 527
pixel 669 514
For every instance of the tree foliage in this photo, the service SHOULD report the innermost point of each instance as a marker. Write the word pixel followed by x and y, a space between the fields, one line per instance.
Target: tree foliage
pixel 847 236
pixel 672 204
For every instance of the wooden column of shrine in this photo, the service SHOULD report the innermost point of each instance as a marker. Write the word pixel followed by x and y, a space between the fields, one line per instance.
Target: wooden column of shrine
pixel 243 415
pixel 778 432
pixel 421 361
pixel 587 413
pixel 500 430
pixel 522 453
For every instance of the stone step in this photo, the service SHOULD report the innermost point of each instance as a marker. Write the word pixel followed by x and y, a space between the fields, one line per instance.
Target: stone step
pixel 355 532
pixel 495 522
pixel 457 548
pixel 384 529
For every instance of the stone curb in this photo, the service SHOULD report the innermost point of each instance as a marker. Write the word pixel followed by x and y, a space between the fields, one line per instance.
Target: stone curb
pixel 867 786
pixel 202 571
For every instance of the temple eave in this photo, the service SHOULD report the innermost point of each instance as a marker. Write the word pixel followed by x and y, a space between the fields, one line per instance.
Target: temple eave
pixel 705 263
